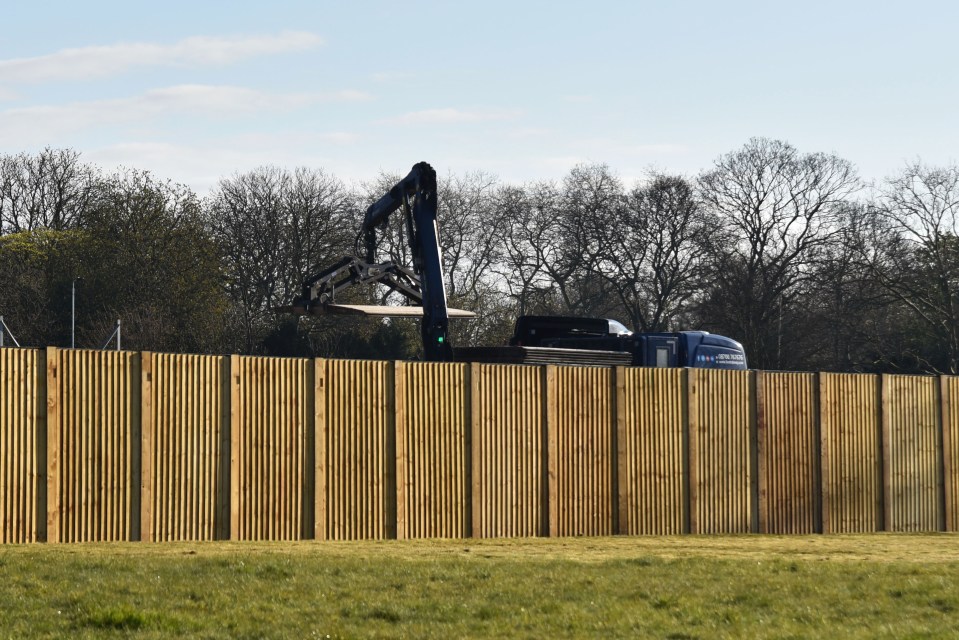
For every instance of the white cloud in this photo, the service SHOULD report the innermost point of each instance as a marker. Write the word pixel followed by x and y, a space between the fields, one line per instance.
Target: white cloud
pixel 530 132
pixel 453 116
pixel 29 125
pixel 657 149
pixel 100 61
pixel 202 164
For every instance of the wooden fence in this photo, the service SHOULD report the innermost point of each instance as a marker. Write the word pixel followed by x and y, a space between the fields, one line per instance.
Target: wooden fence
pixel 105 446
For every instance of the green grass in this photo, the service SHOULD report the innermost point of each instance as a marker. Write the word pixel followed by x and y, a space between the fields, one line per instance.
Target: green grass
pixel 894 586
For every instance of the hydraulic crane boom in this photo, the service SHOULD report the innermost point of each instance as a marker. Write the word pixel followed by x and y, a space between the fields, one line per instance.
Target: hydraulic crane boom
pixel 424 285
pixel 420 187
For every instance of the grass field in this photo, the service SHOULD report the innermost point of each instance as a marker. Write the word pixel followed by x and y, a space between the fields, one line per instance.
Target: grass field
pixel 895 586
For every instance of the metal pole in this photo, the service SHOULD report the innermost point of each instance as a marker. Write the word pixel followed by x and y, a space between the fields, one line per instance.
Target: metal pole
pixel 118 334
pixel 73 314
pixel 5 331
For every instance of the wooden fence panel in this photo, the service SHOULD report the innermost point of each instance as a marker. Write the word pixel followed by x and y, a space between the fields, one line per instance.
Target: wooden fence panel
pixel 949 393
pixel 186 447
pixel 22 445
pixel 652 423
pixel 787 425
pixel 851 462
pixel 912 454
pixel 508 451
pixel 432 450
pixel 721 452
pixel 272 448
pixel 355 450
pixel 582 451
pixel 93 440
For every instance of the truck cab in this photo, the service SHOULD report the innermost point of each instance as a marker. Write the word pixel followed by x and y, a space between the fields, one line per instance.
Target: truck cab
pixel 699 349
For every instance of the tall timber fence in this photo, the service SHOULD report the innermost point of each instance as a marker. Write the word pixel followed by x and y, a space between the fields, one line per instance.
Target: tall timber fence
pixel 113 446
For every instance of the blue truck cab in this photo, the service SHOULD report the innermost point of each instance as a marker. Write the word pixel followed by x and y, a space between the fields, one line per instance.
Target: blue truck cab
pixel 699 349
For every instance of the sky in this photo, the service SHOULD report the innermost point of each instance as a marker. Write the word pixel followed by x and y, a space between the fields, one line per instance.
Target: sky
pixel 522 90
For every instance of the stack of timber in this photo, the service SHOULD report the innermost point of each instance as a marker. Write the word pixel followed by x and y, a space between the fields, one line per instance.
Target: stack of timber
pixel 543 355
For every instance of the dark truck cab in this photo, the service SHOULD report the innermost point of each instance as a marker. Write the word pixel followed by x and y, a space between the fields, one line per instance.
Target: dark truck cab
pixel 680 349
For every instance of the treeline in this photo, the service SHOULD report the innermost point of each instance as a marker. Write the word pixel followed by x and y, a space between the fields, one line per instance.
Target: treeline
pixel 788 252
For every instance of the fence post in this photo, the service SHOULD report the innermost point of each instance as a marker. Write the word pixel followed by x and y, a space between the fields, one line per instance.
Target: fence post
pixel 53 445
pixel 320 427
pixel 146 446
pixel 948 446
pixel 234 447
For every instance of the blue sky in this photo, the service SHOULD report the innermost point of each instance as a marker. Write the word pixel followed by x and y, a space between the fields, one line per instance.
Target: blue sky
pixel 198 91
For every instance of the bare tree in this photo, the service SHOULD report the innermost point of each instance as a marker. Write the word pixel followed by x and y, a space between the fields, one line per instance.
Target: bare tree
pixel 273 227
pixel 916 255
pixel 780 208
pixel 653 249
pixel 49 190
pixel 529 215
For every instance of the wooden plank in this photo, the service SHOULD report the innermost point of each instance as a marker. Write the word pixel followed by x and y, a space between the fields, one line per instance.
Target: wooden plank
pixel 762 454
pixel 826 406
pixel 146 447
pixel 948 448
pixel 402 460
pixel 476 452
pixel 235 451
pixel 40 514
pixel 693 439
pixel 53 445
pixel 133 449
pixel 886 452
pixel 552 448
pixel 321 430
pixel 625 490
pixel 375 311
